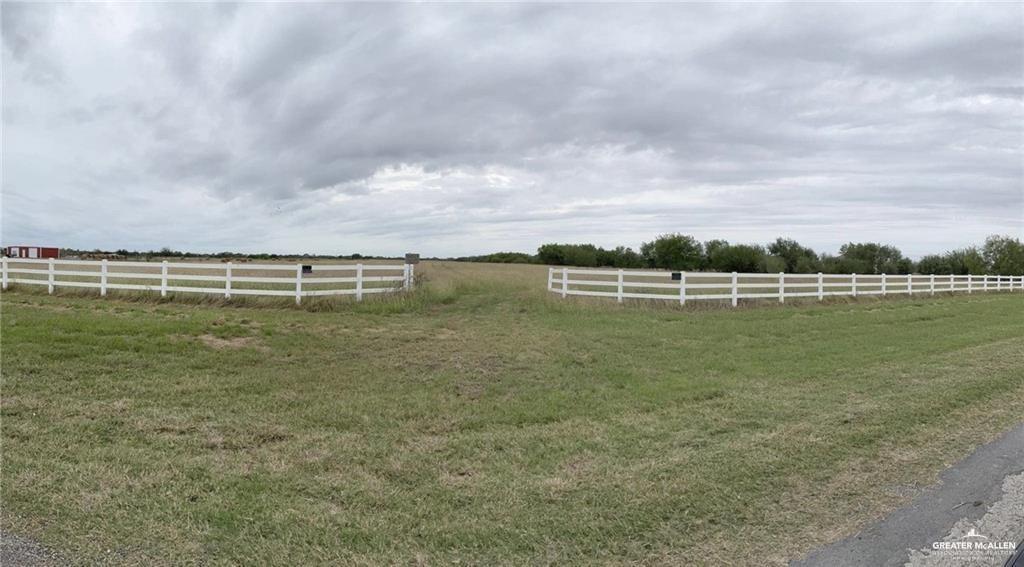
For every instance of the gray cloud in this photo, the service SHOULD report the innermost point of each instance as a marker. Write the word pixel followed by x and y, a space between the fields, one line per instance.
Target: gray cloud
pixel 455 129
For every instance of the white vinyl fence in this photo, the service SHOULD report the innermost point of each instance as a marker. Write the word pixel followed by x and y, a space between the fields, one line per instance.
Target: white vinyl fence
pixel 684 286
pixel 227 279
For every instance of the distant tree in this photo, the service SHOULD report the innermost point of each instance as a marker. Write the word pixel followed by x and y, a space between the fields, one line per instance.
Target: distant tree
pixel 551 254
pixel 773 264
pixel 583 255
pixel 736 258
pixel 873 258
pixel 934 264
pixel 1004 255
pixel 619 257
pixel 501 258
pixel 798 259
pixel 966 261
pixel 711 247
pixel 673 252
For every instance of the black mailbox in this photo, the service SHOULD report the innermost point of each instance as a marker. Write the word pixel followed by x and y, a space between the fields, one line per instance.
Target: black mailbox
pixel 677 276
pixel 307 269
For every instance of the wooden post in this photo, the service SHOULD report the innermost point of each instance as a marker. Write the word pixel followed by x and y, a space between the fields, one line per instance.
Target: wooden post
pixel 821 286
pixel 735 290
pixel 910 284
pixel 854 285
pixel 620 286
pixel 782 287
pixel 49 277
pixel 359 282
pixel 163 278
pixel 883 284
pixel 298 284
pixel 931 284
pixel 970 282
pixel 227 281
pixel 682 288
pixel 5 272
pixel 551 279
pixel 565 282
pixel 405 276
pixel 103 277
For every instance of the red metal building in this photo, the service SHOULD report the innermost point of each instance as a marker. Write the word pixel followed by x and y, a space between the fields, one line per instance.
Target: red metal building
pixel 31 252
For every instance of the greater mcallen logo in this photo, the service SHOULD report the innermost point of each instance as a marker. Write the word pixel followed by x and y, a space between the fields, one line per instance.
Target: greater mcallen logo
pixel 974 542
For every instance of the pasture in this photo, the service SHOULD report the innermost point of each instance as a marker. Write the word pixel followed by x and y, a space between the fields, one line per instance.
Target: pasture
pixel 481 419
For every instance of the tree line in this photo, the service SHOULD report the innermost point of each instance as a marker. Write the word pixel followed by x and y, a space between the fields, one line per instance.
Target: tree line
pixel 167 252
pixel 998 255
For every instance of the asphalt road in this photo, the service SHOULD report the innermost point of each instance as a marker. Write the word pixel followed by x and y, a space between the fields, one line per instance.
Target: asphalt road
pixel 984 492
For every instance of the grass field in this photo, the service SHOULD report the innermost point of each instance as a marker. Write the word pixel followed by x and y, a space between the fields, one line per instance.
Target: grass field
pixel 484 421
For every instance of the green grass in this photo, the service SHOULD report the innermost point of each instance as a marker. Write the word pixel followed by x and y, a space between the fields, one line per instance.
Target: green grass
pixel 484 421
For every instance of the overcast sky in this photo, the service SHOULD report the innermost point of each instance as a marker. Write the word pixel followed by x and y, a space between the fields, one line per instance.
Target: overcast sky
pixel 453 129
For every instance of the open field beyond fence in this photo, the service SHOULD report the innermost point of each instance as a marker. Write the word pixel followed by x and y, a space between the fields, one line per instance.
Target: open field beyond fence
pixel 480 419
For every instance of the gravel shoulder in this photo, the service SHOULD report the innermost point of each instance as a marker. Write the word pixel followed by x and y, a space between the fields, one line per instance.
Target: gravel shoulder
pixel 20 551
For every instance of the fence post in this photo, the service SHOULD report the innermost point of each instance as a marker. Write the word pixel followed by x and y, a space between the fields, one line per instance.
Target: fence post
pixel 821 286
pixel 985 283
pixel 883 284
pixel 620 286
pixel 970 282
pixel 5 271
pixel 163 278
pixel 298 284
pixel 931 284
pixel 227 281
pixel 359 282
pixel 853 286
pixel 405 275
pixel 735 290
pixel 551 279
pixel 49 277
pixel 565 282
pixel 412 274
pixel 682 288
pixel 103 277
pixel 910 284
pixel 782 287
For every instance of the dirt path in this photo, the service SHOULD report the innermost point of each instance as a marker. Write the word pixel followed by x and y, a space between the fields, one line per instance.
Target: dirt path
pixel 983 493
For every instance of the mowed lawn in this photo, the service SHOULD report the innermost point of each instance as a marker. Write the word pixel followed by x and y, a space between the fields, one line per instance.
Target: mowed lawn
pixel 486 422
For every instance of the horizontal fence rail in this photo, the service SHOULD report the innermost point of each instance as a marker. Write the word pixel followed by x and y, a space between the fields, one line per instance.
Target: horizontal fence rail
pixel 227 279
pixel 690 286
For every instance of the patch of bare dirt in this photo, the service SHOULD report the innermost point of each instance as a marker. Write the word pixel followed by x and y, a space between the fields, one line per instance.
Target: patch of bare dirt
pixel 232 343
